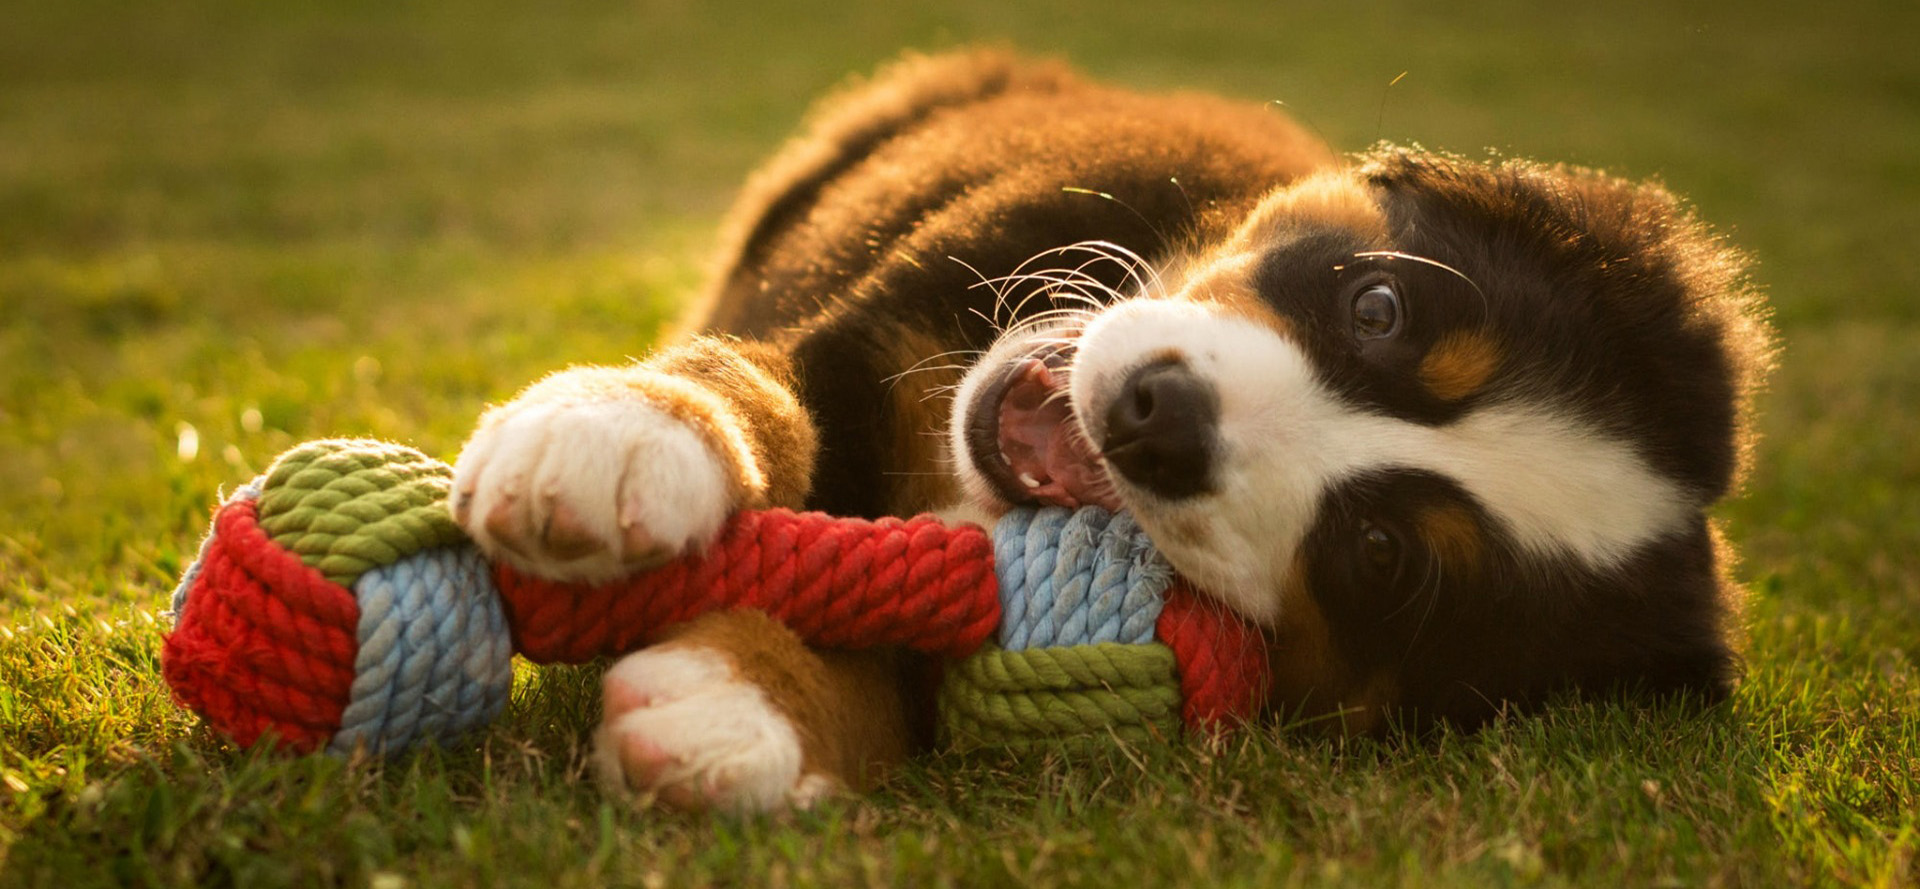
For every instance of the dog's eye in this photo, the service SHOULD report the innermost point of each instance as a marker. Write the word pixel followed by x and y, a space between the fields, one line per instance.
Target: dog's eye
pixel 1376 312
pixel 1379 552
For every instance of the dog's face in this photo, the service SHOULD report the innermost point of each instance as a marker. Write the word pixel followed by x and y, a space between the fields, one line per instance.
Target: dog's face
pixel 1447 430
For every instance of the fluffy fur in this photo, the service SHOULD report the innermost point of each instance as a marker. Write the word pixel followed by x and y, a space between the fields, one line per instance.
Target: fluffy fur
pixel 1447 429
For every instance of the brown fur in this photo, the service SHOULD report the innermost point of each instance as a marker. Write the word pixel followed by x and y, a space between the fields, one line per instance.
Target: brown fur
pixel 755 382
pixel 921 446
pixel 1312 683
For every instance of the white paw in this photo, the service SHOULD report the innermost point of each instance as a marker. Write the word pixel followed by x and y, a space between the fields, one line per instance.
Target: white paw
pixel 588 491
pixel 681 725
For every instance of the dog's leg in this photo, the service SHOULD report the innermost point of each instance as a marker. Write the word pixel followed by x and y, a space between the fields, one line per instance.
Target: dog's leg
pixel 595 472
pixel 732 712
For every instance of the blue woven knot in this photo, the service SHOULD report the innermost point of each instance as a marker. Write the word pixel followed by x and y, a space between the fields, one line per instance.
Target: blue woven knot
pixel 435 656
pixel 1076 577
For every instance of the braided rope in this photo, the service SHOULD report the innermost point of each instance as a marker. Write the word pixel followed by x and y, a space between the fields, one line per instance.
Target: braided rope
pixel 418 647
pixel 1224 671
pixel 1076 577
pixel 349 505
pixel 262 643
pixel 435 657
pixel 1003 698
pixel 843 583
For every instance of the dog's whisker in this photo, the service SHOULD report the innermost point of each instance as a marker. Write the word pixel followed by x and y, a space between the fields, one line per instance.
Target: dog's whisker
pixel 1430 571
pixel 1485 304
pixel 1077 282
pixel 935 357
pixel 924 368
pixel 1056 314
pixel 1049 290
pixel 1151 227
pixel 991 322
pixel 1193 215
pixel 1057 397
pixel 1127 259
pixel 1433 599
pixel 1056 318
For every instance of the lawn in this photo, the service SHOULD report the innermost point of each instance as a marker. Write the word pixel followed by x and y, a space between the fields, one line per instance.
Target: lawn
pixel 228 227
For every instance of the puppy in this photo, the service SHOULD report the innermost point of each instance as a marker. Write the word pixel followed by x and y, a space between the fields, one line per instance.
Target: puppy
pixel 1446 430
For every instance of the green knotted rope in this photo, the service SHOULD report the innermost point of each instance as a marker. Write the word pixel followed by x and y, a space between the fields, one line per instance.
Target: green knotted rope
pixel 347 506
pixel 1018 699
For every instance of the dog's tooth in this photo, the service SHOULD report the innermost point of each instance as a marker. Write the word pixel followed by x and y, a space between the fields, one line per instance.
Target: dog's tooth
pixel 1027 479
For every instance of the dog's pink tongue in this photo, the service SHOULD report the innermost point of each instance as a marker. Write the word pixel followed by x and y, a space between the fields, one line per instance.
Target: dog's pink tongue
pixel 1044 448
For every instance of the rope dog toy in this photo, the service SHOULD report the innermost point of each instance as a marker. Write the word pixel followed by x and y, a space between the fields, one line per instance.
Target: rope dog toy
pixel 335 605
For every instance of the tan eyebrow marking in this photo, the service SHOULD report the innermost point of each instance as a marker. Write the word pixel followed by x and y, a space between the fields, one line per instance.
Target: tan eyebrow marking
pixel 1453 537
pixel 1459 364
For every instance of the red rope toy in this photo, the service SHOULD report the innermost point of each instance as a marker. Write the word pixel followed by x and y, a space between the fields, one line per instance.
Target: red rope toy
pixel 335 605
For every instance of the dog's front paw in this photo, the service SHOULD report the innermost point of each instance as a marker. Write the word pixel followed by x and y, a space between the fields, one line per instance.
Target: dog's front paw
pixel 589 490
pixel 682 725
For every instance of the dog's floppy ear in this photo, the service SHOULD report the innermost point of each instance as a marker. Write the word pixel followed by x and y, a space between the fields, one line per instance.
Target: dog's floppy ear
pixel 1683 633
pixel 1666 626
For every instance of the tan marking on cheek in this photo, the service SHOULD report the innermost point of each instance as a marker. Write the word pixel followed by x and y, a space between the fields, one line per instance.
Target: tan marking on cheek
pixel 1312 680
pixel 1308 672
pixel 1459 364
pixel 1454 538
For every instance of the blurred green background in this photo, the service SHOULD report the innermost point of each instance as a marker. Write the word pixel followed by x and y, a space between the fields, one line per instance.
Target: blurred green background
pixel 226 227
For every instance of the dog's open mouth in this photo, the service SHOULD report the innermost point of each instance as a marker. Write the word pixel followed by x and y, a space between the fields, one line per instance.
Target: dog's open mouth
pixel 1024 439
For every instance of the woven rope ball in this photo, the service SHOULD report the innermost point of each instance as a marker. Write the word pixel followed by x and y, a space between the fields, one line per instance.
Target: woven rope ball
pixel 336 606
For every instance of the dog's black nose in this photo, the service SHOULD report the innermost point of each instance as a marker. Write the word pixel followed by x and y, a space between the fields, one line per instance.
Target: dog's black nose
pixel 1161 430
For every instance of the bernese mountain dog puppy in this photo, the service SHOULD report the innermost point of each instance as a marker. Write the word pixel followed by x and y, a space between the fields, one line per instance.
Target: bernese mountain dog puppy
pixel 1447 430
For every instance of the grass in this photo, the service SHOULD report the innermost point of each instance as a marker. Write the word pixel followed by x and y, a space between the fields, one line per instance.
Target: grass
pixel 229 227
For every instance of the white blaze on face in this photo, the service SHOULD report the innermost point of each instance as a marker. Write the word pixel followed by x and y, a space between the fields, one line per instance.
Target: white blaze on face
pixel 1558 485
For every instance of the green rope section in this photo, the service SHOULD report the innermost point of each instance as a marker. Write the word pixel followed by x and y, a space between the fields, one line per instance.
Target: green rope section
pixel 1042 696
pixel 345 506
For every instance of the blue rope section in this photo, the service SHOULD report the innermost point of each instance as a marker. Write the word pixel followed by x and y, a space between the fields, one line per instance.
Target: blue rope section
pixel 1076 577
pixel 435 656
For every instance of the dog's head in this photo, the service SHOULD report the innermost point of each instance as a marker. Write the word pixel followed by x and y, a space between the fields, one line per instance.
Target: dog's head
pixel 1448 429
